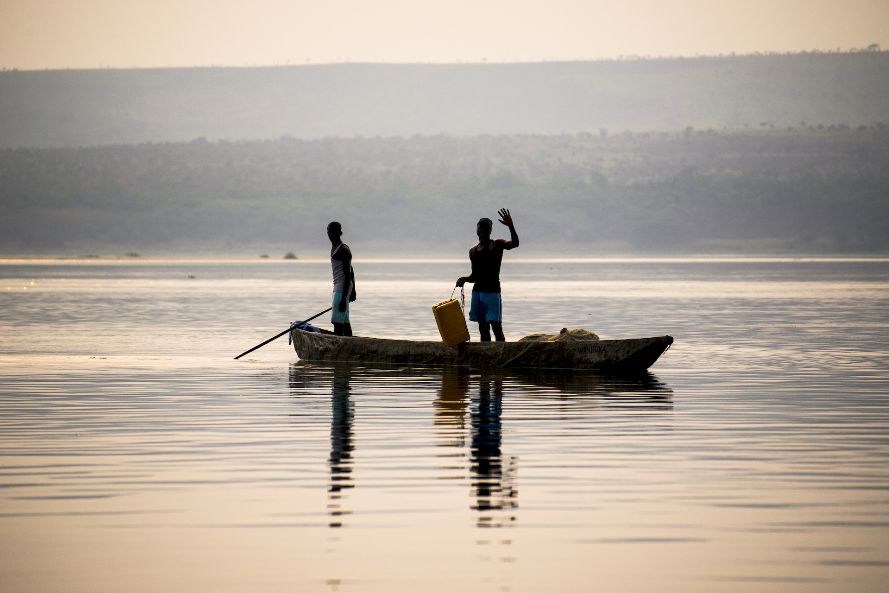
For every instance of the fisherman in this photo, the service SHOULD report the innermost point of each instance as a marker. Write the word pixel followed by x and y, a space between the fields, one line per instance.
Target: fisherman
pixel 343 280
pixel 487 306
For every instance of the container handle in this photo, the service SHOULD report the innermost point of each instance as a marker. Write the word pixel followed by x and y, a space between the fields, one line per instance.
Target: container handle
pixel 462 297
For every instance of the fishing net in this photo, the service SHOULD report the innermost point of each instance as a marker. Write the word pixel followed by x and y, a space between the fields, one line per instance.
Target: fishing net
pixel 566 335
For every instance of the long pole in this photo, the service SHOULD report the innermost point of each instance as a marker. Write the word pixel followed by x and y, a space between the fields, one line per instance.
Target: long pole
pixel 273 338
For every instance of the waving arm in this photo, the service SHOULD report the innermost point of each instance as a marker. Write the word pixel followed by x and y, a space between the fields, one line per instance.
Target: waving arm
pixel 506 218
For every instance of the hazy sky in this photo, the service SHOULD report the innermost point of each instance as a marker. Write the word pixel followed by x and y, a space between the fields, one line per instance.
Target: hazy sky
pixel 38 34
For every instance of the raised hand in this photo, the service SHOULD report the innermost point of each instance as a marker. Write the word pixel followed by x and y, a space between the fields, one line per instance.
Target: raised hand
pixel 505 217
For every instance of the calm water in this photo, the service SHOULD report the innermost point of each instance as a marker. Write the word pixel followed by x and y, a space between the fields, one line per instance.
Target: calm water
pixel 136 455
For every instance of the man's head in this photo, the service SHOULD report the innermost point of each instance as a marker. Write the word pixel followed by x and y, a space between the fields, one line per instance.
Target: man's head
pixel 334 230
pixel 484 227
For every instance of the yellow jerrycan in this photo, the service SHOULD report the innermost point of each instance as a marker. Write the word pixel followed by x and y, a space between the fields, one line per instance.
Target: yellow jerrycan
pixel 451 322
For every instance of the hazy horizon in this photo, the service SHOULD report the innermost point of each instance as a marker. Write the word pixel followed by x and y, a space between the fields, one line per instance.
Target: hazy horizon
pixel 517 62
pixel 45 34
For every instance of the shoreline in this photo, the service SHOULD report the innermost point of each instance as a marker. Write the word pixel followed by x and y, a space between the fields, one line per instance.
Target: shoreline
pixel 383 259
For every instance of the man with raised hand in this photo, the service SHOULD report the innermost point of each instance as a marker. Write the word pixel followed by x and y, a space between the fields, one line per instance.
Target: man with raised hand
pixel 487 305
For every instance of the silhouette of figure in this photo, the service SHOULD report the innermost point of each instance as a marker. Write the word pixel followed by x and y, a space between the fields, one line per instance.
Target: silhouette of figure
pixel 487 306
pixel 343 280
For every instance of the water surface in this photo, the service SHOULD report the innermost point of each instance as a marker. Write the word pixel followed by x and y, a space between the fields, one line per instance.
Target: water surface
pixel 136 455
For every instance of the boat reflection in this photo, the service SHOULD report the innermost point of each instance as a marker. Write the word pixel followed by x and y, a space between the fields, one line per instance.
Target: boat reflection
pixel 641 391
pixel 468 418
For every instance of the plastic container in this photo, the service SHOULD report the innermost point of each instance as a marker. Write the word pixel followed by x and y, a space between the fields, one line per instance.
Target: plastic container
pixel 450 321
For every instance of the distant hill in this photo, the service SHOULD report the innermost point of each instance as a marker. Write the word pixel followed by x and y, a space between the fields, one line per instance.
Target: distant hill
pixel 98 107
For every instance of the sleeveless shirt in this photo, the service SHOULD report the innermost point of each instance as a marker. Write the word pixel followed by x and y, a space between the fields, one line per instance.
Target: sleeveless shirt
pixel 340 269
pixel 486 268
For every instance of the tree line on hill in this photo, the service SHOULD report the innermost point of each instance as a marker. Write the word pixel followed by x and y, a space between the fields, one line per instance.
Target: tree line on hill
pixel 801 190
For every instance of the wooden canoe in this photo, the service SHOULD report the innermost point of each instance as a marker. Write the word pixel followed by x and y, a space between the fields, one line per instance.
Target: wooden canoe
pixel 619 356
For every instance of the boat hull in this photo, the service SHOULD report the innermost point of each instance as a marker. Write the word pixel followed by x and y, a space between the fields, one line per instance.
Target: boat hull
pixel 620 356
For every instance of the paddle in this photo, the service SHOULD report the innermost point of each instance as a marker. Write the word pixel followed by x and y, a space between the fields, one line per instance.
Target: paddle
pixel 282 333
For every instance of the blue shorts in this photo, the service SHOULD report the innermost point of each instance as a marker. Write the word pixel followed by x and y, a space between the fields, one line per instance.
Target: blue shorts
pixel 336 316
pixel 486 306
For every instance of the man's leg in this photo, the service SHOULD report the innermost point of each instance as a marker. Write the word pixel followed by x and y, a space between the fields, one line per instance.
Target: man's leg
pixel 337 327
pixel 484 330
pixel 494 313
pixel 347 329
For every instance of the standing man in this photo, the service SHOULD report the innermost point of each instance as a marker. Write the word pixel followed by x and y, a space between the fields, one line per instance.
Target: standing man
pixel 487 307
pixel 343 280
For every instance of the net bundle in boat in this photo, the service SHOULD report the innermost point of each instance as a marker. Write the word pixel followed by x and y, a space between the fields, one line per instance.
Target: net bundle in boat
pixel 566 335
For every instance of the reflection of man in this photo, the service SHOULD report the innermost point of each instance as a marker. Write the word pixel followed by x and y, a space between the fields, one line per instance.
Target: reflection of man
pixel 341 446
pixel 493 474
pixel 343 280
pixel 485 257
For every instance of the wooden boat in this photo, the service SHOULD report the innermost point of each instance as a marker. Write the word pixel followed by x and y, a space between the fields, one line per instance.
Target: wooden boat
pixel 618 356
